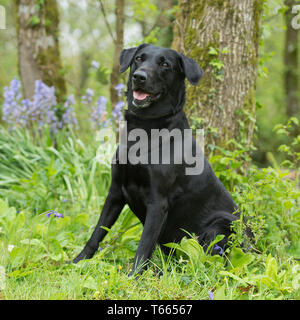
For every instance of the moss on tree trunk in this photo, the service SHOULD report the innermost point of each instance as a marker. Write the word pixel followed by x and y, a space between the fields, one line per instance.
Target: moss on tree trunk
pixel 223 37
pixel 38 46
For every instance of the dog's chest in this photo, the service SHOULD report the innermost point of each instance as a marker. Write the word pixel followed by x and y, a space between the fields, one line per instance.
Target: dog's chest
pixel 136 188
pixel 136 180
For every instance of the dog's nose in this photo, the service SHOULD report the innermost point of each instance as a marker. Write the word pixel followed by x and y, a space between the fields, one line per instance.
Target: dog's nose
pixel 140 76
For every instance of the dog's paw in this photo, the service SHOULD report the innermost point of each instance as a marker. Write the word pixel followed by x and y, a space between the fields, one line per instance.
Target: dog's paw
pixel 82 256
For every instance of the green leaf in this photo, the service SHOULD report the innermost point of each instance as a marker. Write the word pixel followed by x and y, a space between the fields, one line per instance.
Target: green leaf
pixel 294 120
pixel 212 51
pixel 172 245
pixel 5 211
pixel 90 283
pixel 287 204
pixel 192 248
pixel 17 257
pixel 225 50
pixel 34 21
pixel 271 267
pixel 82 218
pixel 235 277
pixel 34 242
pixel 239 259
pixel 218 238
pixel 19 221
pixel 282 131
pixel 287 164
pixel 19 273
pixel 284 148
pixel 219 294
pixel 2 278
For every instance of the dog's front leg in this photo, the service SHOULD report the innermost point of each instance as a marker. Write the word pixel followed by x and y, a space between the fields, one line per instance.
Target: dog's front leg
pixel 112 208
pixel 155 220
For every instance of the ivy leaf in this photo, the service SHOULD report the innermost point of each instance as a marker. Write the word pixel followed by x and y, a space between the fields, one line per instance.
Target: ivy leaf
pixel 212 51
pixel 34 21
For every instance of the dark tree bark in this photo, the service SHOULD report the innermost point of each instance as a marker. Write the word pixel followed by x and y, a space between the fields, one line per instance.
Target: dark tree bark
pixel 38 46
pixel 223 37
pixel 291 54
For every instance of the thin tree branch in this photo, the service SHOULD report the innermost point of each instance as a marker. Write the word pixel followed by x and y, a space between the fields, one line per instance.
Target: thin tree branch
pixel 106 21
pixel 152 28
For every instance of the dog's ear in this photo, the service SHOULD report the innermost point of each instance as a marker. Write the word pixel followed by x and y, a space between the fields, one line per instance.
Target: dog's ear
pixel 191 69
pixel 127 55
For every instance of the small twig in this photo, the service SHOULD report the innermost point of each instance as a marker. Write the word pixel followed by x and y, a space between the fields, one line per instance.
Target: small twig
pixel 153 27
pixel 106 21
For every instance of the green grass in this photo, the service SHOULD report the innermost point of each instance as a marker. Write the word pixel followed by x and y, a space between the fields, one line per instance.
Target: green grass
pixel 36 177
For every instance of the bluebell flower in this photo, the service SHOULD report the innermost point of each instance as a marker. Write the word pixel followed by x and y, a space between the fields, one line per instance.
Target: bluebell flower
pixel 12 109
pixel 88 97
pixel 216 247
pixel 56 214
pixel 41 110
pixel 107 123
pixel 99 115
pixel 211 295
pixel 117 112
pixel 95 64
pixel 69 117
pixel 44 102
pixel 119 87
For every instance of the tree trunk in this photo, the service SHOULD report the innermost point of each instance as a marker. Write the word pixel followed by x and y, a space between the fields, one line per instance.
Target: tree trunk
pixel 291 74
pixel 119 43
pixel 165 23
pixel 38 47
pixel 223 37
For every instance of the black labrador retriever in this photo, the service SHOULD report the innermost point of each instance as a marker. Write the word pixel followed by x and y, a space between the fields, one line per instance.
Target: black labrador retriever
pixel 166 199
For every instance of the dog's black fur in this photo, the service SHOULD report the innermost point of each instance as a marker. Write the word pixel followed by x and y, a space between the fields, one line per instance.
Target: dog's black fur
pixel 163 197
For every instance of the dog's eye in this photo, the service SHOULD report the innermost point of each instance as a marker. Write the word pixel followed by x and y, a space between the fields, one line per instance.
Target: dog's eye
pixel 164 65
pixel 138 59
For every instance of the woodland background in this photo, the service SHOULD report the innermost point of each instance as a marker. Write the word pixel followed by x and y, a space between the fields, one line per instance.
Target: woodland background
pixel 59 84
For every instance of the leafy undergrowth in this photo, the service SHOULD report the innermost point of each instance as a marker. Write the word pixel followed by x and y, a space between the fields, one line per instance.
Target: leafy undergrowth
pixel 36 244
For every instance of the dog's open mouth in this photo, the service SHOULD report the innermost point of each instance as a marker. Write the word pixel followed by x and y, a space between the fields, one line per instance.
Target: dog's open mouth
pixel 143 99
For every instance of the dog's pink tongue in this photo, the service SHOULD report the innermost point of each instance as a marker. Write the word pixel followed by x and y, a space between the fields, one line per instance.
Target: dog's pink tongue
pixel 140 95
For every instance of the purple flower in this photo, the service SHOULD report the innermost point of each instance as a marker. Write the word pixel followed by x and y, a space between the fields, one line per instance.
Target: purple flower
pixel 216 247
pixel 211 295
pixel 95 64
pixel 99 114
pixel 88 97
pixel 107 123
pixel 119 87
pixel 69 117
pixel 41 110
pixel 11 110
pixel 56 214
pixel 117 112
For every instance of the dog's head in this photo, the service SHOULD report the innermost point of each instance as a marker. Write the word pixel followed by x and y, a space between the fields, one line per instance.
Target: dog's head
pixel 157 76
